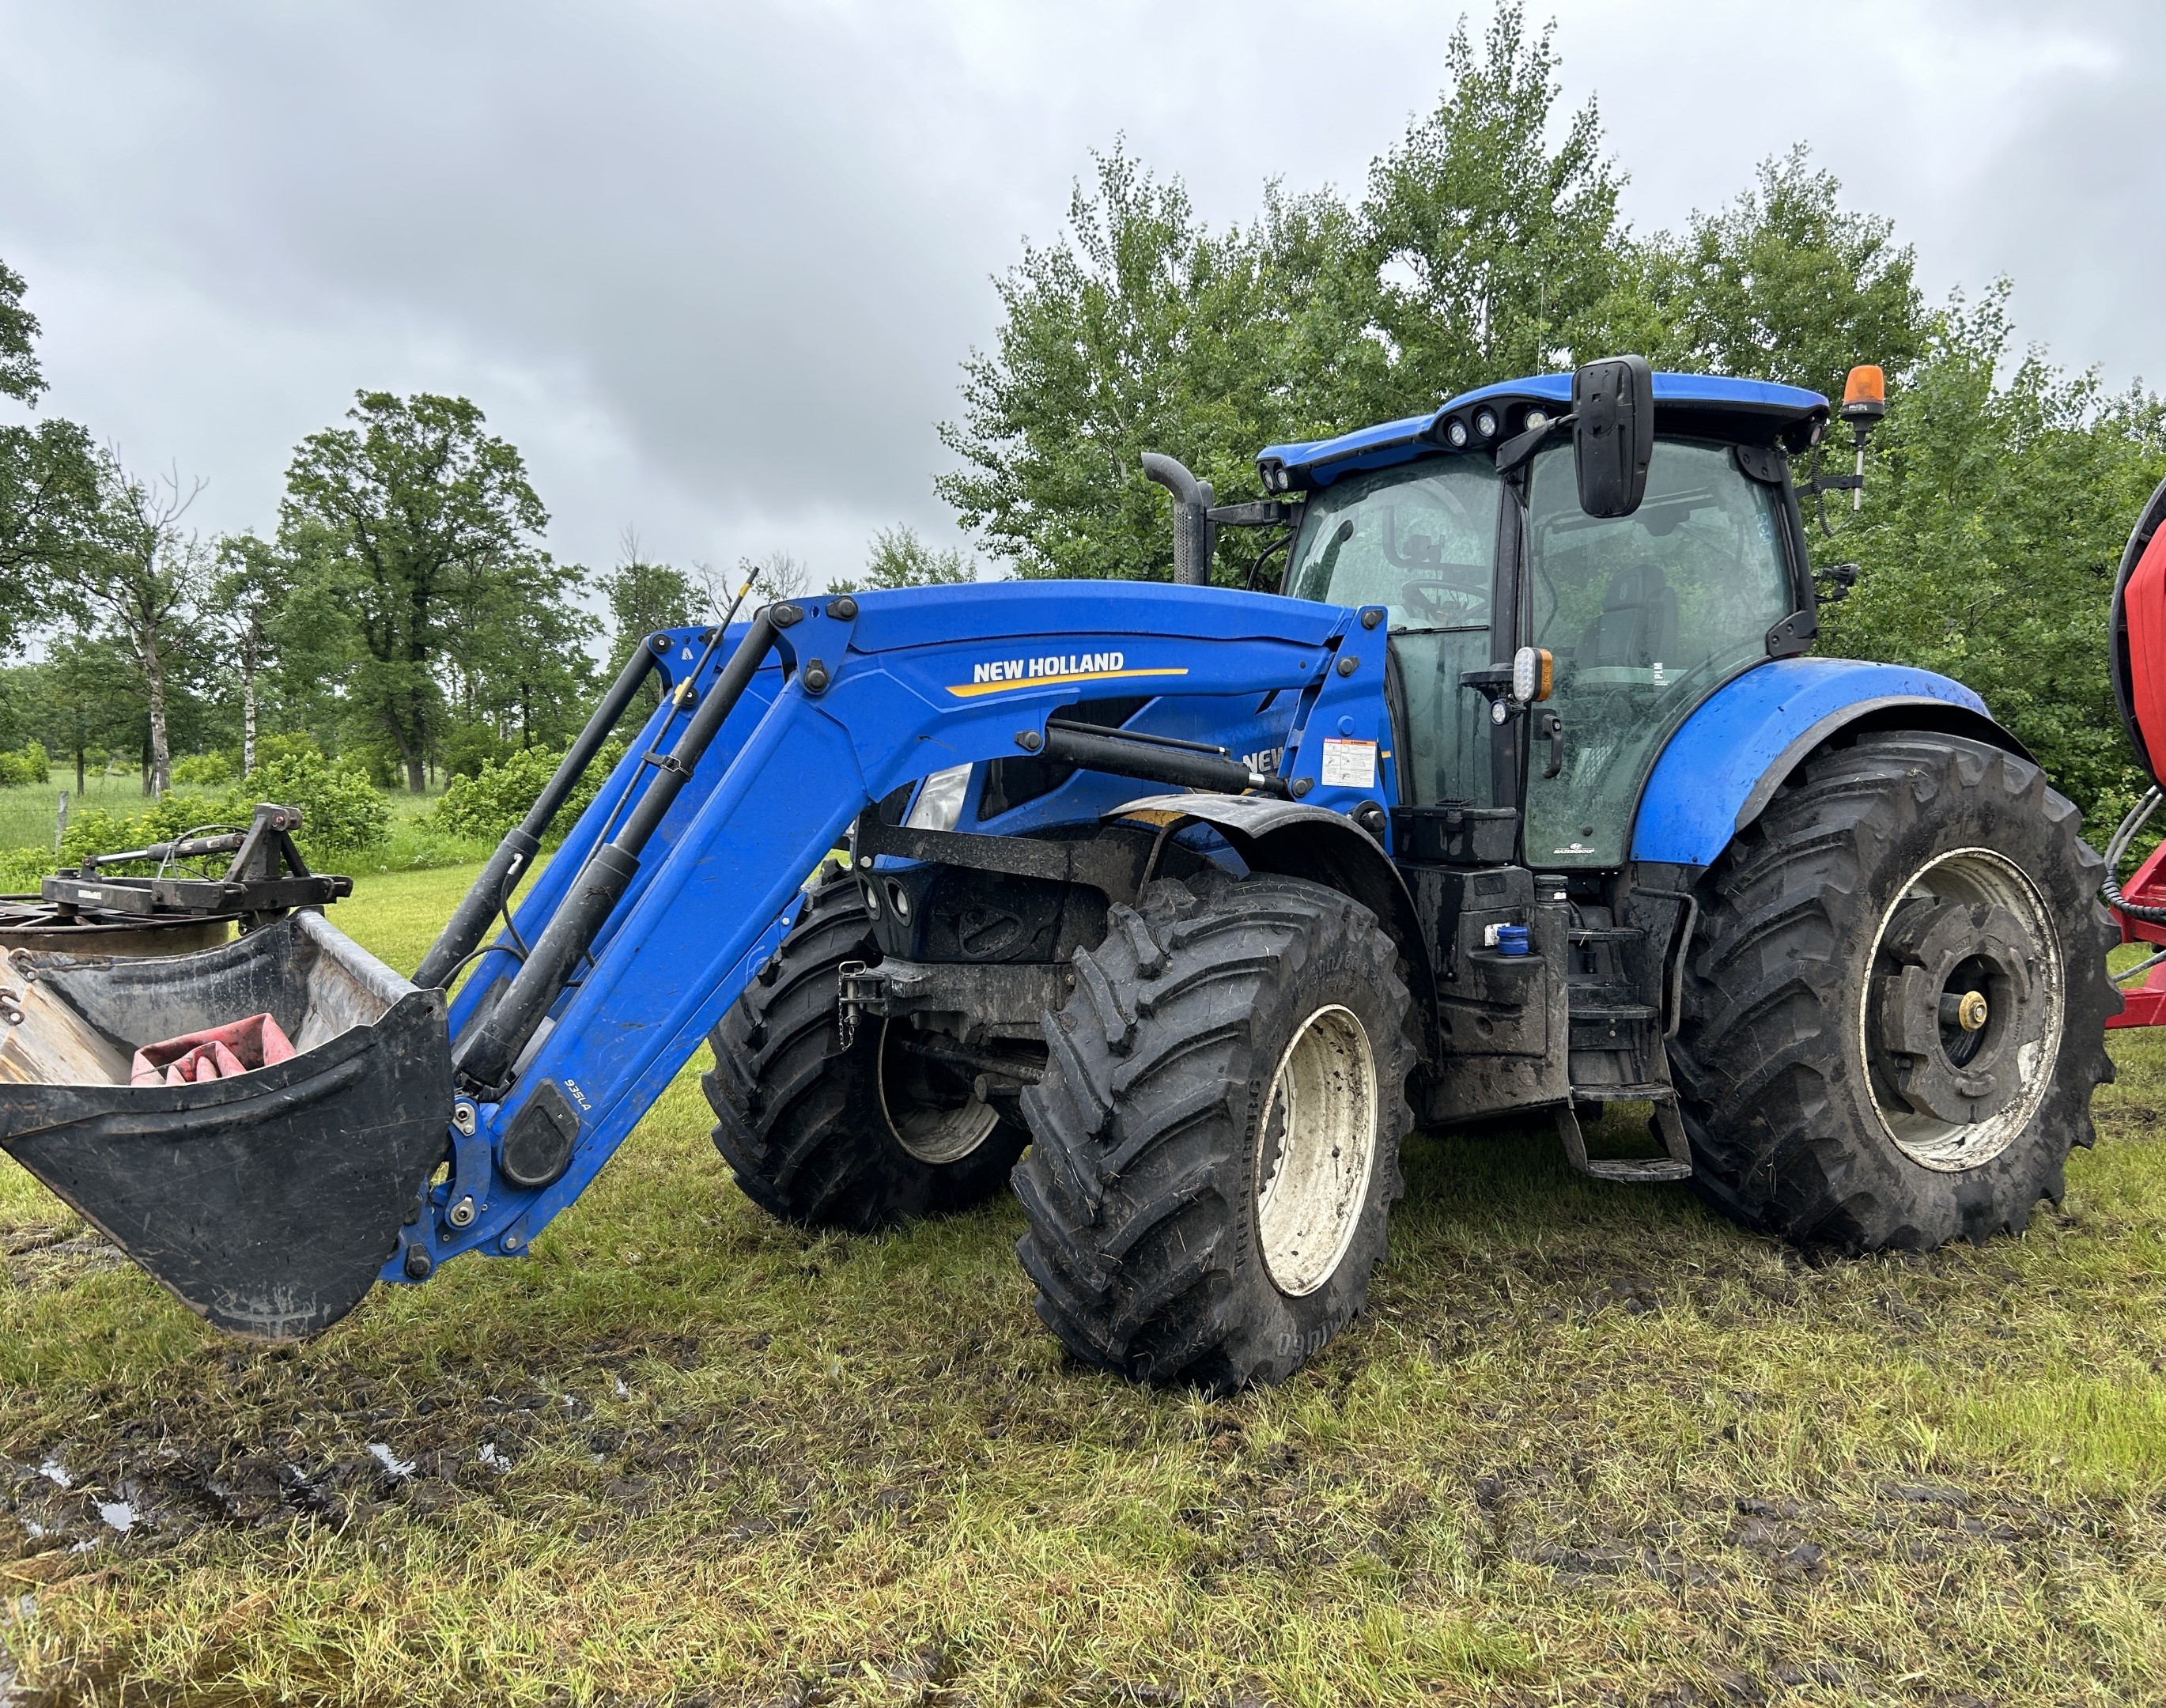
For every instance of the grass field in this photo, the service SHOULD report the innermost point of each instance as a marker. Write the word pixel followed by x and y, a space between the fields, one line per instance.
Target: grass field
pixel 1590 1444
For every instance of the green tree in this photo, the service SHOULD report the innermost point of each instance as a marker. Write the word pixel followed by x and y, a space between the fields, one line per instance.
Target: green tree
pixel 1998 500
pixel 901 558
pixel 137 575
pixel 520 660
pixel 644 597
pixel 1786 284
pixel 417 518
pixel 249 585
pixel 48 477
pixel 1138 331
pixel 1480 252
pixel 81 714
pixel 1497 253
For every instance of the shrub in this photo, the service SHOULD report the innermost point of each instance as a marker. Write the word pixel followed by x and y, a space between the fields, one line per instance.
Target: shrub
pixel 99 830
pixel 27 764
pixel 494 799
pixel 470 747
pixel 341 810
pixel 203 770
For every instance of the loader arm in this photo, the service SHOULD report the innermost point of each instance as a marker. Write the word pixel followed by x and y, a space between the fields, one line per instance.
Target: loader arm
pixel 854 698
pixel 407 1131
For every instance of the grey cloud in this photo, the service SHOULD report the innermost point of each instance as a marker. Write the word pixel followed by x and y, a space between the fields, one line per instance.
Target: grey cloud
pixel 713 268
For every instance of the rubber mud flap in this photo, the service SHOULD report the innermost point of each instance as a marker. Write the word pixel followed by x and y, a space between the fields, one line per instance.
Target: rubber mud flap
pixel 267 1202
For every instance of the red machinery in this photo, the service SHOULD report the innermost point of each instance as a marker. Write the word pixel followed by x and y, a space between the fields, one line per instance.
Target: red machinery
pixel 2139 684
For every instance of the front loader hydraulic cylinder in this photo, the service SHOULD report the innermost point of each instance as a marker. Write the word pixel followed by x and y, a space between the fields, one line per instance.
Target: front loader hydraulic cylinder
pixel 464 933
pixel 484 1059
pixel 1181 764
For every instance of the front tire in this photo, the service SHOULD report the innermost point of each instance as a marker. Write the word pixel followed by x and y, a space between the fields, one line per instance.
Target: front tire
pixel 1895 1008
pixel 859 1137
pixel 1216 1140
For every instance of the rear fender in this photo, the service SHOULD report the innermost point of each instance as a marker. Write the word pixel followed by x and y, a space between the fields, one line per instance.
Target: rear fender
pixel 1313 843
pixel 1724 763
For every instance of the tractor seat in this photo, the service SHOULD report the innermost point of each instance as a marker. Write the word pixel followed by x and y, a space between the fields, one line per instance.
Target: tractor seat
pixel 1638 626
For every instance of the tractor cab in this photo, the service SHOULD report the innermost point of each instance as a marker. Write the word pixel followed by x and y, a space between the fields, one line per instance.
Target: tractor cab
pixel 1473 526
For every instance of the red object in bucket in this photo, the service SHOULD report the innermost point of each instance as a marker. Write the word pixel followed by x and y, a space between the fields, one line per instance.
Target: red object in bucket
pixel 240 1046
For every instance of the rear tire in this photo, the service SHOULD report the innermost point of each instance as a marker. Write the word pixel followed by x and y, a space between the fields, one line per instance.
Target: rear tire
pixel 1895 1006
pixel 1182 1228
pixel 857 1139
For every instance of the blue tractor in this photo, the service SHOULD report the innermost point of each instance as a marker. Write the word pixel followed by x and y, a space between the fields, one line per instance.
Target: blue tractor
pixel 1178 907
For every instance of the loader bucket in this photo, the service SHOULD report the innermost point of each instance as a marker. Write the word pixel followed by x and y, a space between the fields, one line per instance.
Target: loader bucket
pixel 267 1202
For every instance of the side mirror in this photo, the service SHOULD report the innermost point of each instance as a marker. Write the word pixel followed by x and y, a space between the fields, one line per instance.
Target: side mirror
pixel 1612 436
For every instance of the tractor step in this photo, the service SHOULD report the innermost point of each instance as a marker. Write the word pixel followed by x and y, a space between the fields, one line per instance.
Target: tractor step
pixel 1630 1171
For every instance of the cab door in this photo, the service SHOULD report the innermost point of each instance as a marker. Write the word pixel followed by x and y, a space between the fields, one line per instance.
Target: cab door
pixel 1646 615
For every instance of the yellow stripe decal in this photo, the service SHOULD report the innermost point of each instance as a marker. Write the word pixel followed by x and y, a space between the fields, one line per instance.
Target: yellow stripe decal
pixel 971 691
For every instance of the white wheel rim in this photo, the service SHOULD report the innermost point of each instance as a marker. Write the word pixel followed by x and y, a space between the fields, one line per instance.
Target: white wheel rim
pixel 1981 878
pixel 1315 1147
pixel 934 1135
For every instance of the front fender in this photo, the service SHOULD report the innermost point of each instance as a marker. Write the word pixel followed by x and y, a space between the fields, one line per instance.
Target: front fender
pixel 1313 843
pixel 1727 760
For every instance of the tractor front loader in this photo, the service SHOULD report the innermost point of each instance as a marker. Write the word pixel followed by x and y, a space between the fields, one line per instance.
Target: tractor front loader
pixel 1179 906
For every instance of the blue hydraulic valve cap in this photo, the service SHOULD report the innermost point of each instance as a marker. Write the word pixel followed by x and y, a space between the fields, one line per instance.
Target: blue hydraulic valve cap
pixel 1513 939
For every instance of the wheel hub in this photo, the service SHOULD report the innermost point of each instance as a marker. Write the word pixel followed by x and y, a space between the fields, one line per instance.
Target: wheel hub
pixel 1963 1004
pixel 1315 1149
pixel 935 1111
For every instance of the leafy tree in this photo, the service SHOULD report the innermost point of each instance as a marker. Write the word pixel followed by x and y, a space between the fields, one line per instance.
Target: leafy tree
pixel 1997 504
pixel 1496 253
pixel 1786 284
pixel 250 587
pixel 1140 330
pixel 901 558
pixel 49 477
pixel 419 519
pixel 20 377
pixel 81 714
pixel 644 597
pixel 520 658
pixel 1479 252
pixel 138 574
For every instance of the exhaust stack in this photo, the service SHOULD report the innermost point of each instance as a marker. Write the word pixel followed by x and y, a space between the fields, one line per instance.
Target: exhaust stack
pixel 1195 535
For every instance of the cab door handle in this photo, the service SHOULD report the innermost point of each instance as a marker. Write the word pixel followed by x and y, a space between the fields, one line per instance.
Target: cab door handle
pixel 1549 727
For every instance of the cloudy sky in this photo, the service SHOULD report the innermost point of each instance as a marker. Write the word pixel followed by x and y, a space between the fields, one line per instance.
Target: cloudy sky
pixel 712 267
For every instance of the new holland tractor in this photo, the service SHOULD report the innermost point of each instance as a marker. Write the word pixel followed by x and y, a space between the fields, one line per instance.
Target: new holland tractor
pixel 1176 907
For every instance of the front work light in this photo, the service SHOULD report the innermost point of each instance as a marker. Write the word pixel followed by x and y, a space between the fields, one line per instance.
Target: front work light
pixel 1533 673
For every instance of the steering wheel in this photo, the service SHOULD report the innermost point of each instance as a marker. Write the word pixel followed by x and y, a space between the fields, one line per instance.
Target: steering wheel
pixel 1450 603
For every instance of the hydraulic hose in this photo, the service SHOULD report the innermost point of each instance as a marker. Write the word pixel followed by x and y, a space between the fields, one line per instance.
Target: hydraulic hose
pixel 2116 849
pixel 471 919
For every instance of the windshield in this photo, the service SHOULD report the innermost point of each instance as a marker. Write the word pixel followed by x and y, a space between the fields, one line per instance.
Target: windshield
pixel 1418 538
pixel 1646 614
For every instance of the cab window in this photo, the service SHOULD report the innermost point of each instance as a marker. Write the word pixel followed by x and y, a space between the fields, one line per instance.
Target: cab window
pixel 1646 614
pixel 1419 539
